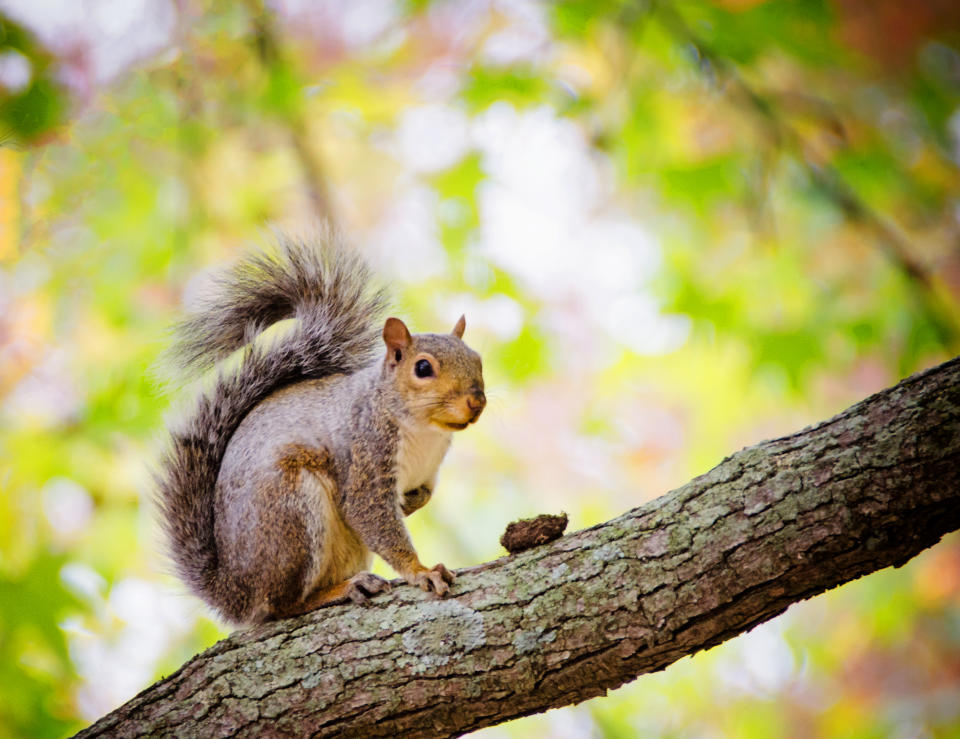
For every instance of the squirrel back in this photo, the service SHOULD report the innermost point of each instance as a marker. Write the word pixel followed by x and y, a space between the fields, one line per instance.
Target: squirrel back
pixel 322 285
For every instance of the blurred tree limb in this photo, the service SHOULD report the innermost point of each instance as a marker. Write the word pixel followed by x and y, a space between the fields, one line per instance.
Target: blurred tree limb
pixel 929 295
pixel 278 67
pixel 769 526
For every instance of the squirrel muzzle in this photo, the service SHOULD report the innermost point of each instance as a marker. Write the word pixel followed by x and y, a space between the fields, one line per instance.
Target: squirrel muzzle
pixel 462 411
pixel 476 402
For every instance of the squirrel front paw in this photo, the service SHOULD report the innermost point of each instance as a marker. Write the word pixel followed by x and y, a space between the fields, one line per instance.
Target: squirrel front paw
pixel 414 500
pixel 436 579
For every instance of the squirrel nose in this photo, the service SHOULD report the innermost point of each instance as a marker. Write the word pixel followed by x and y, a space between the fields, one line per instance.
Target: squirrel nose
pixel 476 401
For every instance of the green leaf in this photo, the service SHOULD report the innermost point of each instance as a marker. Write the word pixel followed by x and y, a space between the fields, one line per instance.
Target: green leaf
pixel 487 85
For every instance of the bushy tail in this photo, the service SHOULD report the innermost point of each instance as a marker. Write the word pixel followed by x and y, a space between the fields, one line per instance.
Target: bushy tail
pixel 328 290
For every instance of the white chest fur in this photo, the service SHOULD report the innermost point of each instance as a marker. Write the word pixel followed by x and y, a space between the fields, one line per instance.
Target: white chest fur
pixel 419 455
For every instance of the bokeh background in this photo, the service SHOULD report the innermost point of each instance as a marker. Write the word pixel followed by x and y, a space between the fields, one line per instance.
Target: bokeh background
pixel 676 228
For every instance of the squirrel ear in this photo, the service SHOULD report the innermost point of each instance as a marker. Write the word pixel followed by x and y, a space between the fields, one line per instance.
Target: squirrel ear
pixel 396 336
pixel 458 329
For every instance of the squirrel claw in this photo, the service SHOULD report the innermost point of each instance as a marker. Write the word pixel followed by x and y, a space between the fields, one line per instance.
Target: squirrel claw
pixel 363 585
pixel 445 573
pixel 436 579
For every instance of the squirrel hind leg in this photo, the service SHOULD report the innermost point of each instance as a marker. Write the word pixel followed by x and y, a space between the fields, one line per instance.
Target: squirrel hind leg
pixel 358 589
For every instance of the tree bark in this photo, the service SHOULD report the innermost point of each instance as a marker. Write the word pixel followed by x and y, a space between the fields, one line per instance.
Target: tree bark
pixel 769 526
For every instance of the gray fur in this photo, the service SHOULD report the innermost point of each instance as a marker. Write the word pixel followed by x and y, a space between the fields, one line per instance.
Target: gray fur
pixel 303 458
pixel 327 289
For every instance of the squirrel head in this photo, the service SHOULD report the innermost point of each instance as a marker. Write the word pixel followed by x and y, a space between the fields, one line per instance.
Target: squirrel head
pixel 439 378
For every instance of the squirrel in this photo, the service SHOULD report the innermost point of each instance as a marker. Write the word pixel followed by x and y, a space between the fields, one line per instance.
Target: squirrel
pixel 310 446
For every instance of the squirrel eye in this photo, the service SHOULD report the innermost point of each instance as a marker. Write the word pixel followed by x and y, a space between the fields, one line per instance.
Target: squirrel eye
pixel 423 368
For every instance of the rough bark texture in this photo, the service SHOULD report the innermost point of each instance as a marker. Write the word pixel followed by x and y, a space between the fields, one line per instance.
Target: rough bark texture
pixel 769 526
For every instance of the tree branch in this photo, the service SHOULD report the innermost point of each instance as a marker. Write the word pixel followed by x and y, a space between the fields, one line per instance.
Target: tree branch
pixel 769 526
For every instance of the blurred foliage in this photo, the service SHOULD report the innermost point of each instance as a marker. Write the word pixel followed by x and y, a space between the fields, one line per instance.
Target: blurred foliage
pixel 29 111
pixel 675 228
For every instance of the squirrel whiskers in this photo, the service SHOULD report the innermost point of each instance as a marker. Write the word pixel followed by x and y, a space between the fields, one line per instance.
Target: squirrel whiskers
pixel 305 454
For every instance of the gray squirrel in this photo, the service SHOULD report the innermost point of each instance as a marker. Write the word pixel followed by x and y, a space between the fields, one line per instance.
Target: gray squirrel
pixel 311 445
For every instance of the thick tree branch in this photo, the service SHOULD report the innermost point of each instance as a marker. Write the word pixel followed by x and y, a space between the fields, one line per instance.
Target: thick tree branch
pixel 769 526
